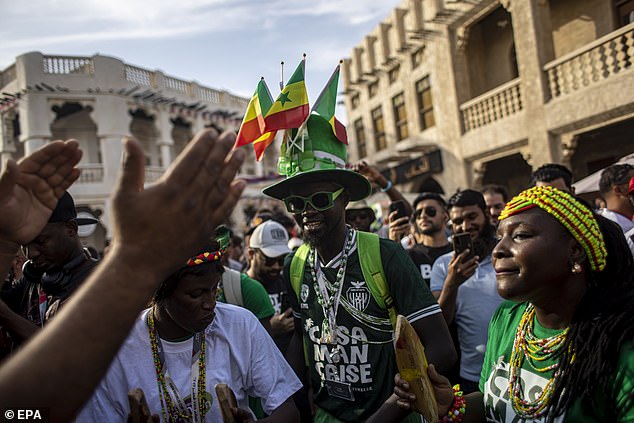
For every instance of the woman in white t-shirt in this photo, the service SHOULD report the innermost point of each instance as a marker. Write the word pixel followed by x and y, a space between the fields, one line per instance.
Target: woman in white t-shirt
pixel 185 344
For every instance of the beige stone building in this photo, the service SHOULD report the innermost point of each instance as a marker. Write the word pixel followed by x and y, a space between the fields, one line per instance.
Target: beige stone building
pixel 98 100
pixel 447 94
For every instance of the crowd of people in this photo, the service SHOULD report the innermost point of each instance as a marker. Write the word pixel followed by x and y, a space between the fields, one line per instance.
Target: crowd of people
pixel 522 304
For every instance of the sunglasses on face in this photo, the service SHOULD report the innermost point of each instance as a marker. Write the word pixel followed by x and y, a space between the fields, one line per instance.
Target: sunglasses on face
pixel 428 211
pixel 270 261
pixel 319 201
pixel 352 215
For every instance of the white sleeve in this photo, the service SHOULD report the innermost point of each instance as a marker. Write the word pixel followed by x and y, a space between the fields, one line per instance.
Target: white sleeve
pixel 273 379
pixel 439 272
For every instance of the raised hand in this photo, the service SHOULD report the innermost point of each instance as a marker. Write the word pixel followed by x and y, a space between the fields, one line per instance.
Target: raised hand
pixel 30 189
pixel 398 227
pixel 161 225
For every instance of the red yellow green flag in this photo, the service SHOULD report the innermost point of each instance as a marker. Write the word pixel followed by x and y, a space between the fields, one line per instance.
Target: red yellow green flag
pixel 325 106
pixel 290 109
pixel 252 127
pixel 262 143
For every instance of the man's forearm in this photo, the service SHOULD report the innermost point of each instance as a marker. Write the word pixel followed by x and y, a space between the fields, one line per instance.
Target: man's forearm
pixel 88 332
pixel 447 301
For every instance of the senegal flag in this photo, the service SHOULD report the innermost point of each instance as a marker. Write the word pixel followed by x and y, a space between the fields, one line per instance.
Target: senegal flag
pixel 325 106
pixel 290 109
pixel 252 128
pixel 261 143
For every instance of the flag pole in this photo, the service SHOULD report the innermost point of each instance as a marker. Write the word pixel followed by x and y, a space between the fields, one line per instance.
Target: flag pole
pixel 282 75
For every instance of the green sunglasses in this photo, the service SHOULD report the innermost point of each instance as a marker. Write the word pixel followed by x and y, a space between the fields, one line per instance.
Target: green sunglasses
pixel 319 201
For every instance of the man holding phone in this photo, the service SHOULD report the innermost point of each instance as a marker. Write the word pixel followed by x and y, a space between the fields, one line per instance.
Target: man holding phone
pixel 464 281
pixel 268 247
pixel 428 239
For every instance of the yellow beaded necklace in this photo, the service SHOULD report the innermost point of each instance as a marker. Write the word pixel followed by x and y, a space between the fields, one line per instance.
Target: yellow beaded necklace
pixel 536 350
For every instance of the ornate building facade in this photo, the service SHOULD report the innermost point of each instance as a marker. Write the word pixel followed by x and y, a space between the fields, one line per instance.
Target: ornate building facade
pixel 448 94
pixel 98 100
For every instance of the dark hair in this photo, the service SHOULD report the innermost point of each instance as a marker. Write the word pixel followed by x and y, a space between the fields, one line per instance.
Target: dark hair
pixel 549 172
pixel 167 287
pixel 603 324
pixel 467 197
pixel 614 175
pixel 496 189
pixel 429 196
pixel 483 245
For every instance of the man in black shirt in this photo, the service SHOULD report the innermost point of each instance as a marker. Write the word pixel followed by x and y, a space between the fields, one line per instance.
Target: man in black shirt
pixel 428 239
pixel 56 267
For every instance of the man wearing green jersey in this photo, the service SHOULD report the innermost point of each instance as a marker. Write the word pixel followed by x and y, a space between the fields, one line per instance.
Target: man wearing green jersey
pixel 347 334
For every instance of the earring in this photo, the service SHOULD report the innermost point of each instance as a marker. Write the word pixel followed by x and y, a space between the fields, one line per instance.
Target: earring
pixel 576 268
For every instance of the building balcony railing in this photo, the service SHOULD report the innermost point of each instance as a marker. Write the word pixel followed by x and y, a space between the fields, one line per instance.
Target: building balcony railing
pixel 54 65
pixel 93 173
pixel 90 173
pixel 139 76
pixel 493 105
pixel 597 61
pixel 64 65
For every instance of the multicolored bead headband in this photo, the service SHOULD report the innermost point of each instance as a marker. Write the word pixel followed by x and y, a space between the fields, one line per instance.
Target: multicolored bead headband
pixel 223 238
pixel 575 217
pixel 205 257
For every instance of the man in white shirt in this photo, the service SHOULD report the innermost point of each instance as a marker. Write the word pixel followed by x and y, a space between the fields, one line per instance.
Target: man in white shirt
pixel 613 186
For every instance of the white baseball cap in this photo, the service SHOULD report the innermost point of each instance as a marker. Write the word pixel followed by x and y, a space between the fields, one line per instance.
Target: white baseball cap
pixel 271 238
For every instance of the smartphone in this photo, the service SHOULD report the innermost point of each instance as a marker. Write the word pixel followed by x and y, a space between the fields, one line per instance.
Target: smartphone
pixel 284 304
pixel 462 242
pixel 399 206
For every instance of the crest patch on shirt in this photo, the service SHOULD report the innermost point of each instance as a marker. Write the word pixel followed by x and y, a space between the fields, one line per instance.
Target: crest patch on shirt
pixel 358 295
pixel 304 293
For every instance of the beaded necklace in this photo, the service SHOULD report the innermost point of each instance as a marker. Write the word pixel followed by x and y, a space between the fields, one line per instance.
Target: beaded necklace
pixel 174 409
pixel 535 350
pixel 328 294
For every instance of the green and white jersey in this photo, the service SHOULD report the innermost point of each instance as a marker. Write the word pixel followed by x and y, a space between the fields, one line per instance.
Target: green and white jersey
pixel 364 332
pixel 494 381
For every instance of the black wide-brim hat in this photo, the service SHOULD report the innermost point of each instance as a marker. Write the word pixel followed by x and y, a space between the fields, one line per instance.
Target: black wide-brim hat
pixel 322 159
pixel 356 185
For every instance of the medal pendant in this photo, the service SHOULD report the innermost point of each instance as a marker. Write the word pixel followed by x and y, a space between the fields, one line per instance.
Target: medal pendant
pixel 326 339
pixel 335 356
pixel 326 334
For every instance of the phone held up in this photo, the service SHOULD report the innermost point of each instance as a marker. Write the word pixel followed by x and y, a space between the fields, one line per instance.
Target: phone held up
pixel 399 206
pixel 462 242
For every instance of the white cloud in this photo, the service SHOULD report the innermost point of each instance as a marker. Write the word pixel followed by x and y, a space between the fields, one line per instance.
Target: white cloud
pixel 248 37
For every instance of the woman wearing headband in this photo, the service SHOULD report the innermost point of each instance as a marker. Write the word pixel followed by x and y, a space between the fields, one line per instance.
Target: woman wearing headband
pixel 185 344
pixel 561 350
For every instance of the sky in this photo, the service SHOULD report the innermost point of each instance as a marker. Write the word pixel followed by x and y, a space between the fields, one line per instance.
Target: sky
pixel 223 44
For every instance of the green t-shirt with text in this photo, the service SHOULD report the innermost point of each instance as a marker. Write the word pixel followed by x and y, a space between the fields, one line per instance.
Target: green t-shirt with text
pixel 494 381
pixel 367 359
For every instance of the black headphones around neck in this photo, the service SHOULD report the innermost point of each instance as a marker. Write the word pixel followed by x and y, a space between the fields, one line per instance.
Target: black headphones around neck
pixel 56 280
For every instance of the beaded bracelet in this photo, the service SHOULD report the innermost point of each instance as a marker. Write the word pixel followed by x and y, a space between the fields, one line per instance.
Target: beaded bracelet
pixel 458 408
pixel 387 187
